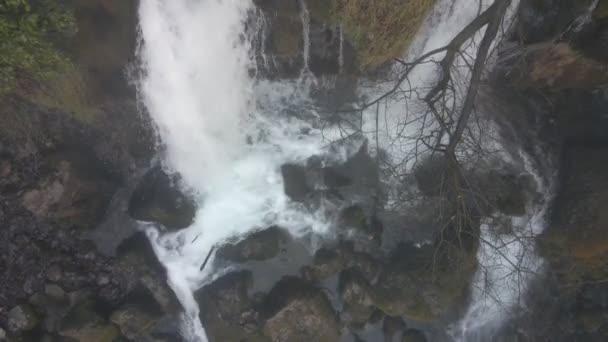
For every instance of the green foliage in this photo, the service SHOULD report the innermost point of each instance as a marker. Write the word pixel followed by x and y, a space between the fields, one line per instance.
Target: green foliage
pixel 29 31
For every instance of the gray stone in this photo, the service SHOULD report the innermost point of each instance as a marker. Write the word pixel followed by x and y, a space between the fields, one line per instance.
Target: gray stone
pixel 261 245
pixel 413 335
pixel 158 199
pixel 54 273
pixel 22 318
pixel 133 321
pixel 299 312
pixel 54 292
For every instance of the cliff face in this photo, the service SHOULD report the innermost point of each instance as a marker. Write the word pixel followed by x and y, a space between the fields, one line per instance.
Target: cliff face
pixel 346 36
pixel 565 64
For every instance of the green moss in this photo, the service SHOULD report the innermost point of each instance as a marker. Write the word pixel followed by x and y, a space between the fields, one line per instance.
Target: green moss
pixel 378 30
pixel 29 31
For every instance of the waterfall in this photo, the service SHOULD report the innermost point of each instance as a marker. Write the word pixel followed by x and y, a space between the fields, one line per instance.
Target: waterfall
pixel 223 133
pixel 227 133
pixel 508 262
pixel 305 18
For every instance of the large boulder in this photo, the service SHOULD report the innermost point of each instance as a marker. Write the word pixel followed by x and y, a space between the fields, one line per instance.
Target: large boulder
pixel 297 311
pixel 84 323
pixel 424 283
pixel 258 246
pixel 158 199
pixel 356 294
pixel 22 318
pixel 355 179
pixel 332 260
pixel 227 311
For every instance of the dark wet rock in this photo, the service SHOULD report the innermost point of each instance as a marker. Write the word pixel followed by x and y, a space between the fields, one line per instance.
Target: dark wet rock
pixel 226 309
pixel 158 199
pixel 167 329
pixel 544 19
pixel 423 283
pixel 69 193
pixel 392 327
pixel 576 241
pixel 487 190
pixel 284 38
pixel 413 335
pixel 430 175
pixel 575 248
pixel 117 226
pixel 54 292
pixel 362 222
pixel 295 181
pixel 502 191
pixel 85 323
pixel 22 318
pixel 354 181
pixel 134 321
pixel 54 273
pixel 326 262
pixel 141 274
pixel 297 311
pixel 330 261
pixel 356 294
pixel 360 170
pixel 261 245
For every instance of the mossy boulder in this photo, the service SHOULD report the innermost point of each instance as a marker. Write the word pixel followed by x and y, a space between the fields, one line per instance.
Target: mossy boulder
pixel 422 284
pixel 331 261
pixel 284 39
pixel 84 323
pixel 576 242
pixel 227 311
pixel 22 318
pixel 345 36
pixel 356 295
pixel 258 246
pixel 378 30
pixel 297 311
pixel 413 335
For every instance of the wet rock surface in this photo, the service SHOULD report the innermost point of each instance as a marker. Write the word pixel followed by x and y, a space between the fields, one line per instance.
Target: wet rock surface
pixel 158 199
pixel 297 311
pixel 261 245
pixel 560 308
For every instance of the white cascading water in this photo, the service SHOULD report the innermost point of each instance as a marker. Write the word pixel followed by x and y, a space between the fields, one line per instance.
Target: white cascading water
pixel 225 132
pixel 210 116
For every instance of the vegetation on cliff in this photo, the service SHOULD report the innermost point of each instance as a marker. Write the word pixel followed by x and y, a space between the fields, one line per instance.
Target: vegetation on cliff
pixel 30 32
pixel 378 30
